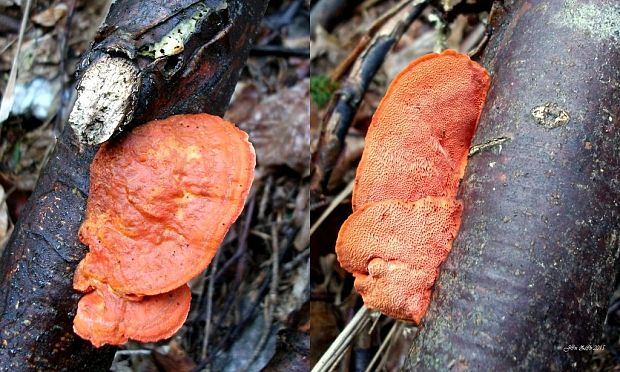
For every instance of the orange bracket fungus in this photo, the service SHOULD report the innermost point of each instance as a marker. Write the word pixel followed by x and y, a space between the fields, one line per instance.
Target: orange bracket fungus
pixel 161 200
pixel 406 214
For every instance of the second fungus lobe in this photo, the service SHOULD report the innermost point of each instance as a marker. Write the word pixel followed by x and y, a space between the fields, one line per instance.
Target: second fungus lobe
pixel 404 199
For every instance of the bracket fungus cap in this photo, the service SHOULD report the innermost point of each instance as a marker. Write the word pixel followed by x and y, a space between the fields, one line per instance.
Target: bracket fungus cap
pixel 394 249
pixel 420 134
pixel 161 200
pixel 104 318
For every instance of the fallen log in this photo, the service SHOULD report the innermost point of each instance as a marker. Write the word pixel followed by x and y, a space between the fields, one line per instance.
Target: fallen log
pixel 528 280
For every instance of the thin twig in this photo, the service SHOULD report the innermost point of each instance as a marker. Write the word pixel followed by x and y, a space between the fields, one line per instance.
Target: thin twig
pixel 477 50
pixel 271 300
pixel 262 208
pixel 8 97
pixel 344 104
pixel 344 65
pixel 8 45
pixel 216 273
pixel 210 291
pixel 334 203
pixel 394 332
pixel 64 47
pixel 242 240
pixel 393 340
pixel 376 315
pixel 296 261
pixel 367 4
pixel 486 145
pixel 239 325
pixel 334 353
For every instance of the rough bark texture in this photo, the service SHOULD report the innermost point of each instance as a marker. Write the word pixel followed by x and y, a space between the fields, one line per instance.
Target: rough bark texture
pixel 532 269
pixel 37 302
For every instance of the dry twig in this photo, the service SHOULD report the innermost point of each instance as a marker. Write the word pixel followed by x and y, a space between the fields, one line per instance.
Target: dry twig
pixel 9 96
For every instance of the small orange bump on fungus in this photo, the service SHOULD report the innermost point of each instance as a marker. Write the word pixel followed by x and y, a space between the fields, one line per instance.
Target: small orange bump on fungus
pixel 406 215
pixel 161 200
pixel 104 318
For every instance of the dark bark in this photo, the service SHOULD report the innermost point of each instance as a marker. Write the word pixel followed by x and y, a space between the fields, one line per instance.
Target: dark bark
pixel 37 301
pixel 534 263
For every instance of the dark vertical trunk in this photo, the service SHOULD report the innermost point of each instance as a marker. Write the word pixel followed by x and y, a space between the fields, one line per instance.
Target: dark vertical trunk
pixel 37 302
pixel 534 264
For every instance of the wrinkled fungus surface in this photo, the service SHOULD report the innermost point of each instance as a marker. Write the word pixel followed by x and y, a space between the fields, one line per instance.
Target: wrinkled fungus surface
pixel 406 215
pixel 161 200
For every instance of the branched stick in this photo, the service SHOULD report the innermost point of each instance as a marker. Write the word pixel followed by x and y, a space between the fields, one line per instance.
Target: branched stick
pixel 344 65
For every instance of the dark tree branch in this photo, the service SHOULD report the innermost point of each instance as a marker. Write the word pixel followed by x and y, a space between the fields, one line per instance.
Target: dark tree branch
pixel 37 302
pixel 534 263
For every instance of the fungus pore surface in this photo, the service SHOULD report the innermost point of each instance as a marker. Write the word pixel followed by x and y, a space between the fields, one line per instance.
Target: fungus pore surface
pixel 420 134
pixel 161 200
pixel 406 215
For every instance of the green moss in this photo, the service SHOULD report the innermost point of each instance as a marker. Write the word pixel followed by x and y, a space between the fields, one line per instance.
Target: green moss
pixel 321 89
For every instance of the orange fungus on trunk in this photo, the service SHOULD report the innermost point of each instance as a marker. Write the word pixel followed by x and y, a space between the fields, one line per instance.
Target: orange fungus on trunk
pixel 405 210
pixel 104 318
pixel 161 200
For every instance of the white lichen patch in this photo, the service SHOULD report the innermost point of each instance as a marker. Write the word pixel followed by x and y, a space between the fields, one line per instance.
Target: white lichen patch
pixel 105 100
pixel 174 41
pixel 600 21
pixel 550 115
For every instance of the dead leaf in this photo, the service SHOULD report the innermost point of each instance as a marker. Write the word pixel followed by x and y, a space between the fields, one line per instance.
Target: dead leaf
pixel 51 15
pixel 278 126
pixel 173 358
